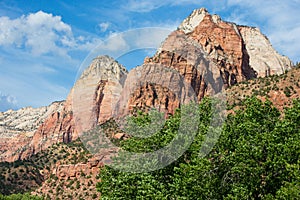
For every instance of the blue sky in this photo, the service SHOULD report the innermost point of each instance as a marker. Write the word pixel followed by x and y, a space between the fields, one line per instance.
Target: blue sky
pixel 44 43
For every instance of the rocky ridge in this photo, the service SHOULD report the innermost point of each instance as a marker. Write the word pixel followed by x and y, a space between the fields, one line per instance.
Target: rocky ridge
pixel 281 90
pixel 18 127
pixel 25 120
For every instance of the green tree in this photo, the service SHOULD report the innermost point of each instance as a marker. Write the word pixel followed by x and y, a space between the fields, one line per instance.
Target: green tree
pixel 256 157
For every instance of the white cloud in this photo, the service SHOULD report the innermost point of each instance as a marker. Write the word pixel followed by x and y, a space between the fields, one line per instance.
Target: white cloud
pixel 143 5
pixel 7 102
pixel 117 44
pixel 40 33
pixel 287 40
pixel 104 26
pixel 39 56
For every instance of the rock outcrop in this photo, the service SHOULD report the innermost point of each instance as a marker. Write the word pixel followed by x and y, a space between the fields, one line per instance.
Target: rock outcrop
pixel 73 171
pixel 91 101
pixel 263 57
pixel 18 127
pixel 96 91
pixel 209 53
pixel 191 22
pixel 153 86
pixel 58 127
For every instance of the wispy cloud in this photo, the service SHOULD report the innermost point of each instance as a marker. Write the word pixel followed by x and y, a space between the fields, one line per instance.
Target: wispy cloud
pixel 103 26
pixel 7 102
pixel 149 5
pixel 36 81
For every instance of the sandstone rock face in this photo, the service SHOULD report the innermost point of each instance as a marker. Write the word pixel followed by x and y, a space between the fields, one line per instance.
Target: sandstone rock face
pixel 181 53
pixel 58 127
pixel 89 103
pixel 210 55
pixel 224 46
pixel 263 57
pixel 18 127
pixel 189 24
pixel 153 86
pixel 96 92
pixel 25 120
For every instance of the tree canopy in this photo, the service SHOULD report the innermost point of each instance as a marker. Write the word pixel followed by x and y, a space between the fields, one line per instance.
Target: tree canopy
pixel 255 157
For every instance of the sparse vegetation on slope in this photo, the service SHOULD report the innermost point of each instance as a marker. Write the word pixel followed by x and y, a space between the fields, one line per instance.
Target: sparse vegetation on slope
pixel 279 89
pixel 28 175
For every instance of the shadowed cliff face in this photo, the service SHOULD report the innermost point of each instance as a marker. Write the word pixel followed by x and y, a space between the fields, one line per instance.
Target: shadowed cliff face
pixel 204 56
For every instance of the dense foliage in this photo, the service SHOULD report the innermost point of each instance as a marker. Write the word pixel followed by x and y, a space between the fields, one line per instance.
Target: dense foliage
pixel 256 157
pixel 20 197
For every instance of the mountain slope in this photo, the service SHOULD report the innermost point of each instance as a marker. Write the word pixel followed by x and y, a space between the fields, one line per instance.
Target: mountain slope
pixel 281 90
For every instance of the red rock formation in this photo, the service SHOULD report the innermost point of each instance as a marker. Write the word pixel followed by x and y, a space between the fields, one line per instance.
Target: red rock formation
pixel 153 86
pixel 224 45
pixel 96 91
pixel 18 127
pixel 210 57
pixel 183 54
pixel 11 148
pixel 89 103
pixel 92 167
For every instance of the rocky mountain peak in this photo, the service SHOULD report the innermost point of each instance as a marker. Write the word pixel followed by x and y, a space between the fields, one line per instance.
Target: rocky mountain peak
pixel 193 20
pixel 96 91
pixel 104 68
pixel 228 43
